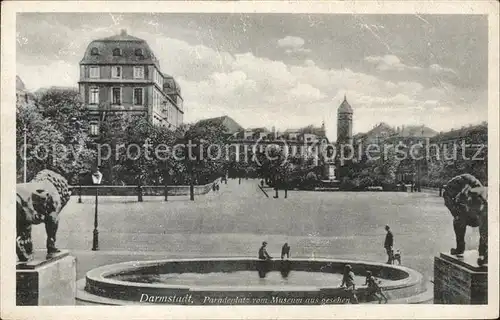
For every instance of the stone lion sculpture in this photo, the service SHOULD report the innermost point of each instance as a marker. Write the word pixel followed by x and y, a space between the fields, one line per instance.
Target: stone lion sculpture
pixel 467 200
pixel 39 201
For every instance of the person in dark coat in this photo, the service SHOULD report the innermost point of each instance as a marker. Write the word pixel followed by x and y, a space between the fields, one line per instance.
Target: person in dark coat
pixel 263 255
pixel 285 251
pixel 388 244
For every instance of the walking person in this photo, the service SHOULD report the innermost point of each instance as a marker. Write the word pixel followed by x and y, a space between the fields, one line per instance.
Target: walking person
pixel 388 244
pixel 373 289
pixel 348 282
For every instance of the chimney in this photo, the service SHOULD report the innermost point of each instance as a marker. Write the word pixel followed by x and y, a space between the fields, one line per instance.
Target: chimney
pixel 123 32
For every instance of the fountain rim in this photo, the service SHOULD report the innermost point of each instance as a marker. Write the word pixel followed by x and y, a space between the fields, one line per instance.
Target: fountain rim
pixel 99 274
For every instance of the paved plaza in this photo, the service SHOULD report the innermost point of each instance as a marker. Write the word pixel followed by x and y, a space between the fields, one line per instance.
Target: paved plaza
pixel 234 221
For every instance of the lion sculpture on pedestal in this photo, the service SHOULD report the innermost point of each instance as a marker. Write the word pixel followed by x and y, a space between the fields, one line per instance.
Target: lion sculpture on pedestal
pixel 40 201
pixel 467 200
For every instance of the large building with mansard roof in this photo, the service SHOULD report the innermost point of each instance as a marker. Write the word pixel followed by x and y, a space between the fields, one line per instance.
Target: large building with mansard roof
pixel 122 74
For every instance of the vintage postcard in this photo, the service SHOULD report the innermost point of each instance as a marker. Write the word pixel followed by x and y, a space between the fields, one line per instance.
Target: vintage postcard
pixel 249 160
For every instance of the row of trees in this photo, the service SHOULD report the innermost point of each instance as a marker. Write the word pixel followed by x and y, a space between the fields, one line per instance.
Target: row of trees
pixel 57 131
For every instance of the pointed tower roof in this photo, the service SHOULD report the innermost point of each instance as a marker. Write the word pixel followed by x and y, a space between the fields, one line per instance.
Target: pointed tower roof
pixel 345 107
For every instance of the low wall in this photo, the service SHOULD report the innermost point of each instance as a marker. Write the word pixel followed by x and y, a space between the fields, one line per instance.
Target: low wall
pixel 146 190
pixel 100 287
pixel 384 271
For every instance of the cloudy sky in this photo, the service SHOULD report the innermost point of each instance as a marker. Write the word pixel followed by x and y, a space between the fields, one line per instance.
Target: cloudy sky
pixel 287 70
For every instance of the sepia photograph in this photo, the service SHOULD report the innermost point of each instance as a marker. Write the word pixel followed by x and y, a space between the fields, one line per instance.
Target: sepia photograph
pixel 269 158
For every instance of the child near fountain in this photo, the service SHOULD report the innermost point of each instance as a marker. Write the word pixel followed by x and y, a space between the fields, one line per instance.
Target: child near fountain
pixel 373 289
pixel 348 282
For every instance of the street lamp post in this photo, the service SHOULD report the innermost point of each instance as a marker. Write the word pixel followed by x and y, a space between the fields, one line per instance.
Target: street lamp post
pixel 78 124
pixel 286 183
pixel 191 185
pixel 139 190
pixel 96 179
pixel 25 130
pixel 80 189
pixel 192 176
pixel 165 178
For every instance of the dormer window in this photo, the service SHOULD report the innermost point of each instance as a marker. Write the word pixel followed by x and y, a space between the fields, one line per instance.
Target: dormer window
pixel 117 52
pixel 94 51
pixel 138 52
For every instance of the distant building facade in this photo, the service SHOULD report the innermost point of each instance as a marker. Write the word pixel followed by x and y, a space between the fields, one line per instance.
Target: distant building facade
pixel 228 124
pixel 384 133
pixel 473 137
pixel 121 74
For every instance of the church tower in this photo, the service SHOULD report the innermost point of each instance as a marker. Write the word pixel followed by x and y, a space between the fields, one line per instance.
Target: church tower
pixel 344 123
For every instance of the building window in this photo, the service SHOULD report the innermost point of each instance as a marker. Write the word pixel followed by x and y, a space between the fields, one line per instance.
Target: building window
pixel 94 72
pixel 94 51
pixel 138 52
pixel 116 72
pixel 138 96
pixel 94 128
pixel 139 72
pixel 158 79
pixel 116 94
pixel 117 52
pixel 94 95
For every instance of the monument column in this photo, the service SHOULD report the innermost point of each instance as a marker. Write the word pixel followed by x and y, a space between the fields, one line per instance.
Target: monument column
pixel 344 133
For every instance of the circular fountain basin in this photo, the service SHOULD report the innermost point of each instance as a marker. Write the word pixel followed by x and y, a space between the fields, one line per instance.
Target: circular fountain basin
pixel 240 281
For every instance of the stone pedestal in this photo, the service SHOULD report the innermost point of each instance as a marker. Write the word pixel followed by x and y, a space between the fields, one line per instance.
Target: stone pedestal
pixel 460 280
pixel 42 282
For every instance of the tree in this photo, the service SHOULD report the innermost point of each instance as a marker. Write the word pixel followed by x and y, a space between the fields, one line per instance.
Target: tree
pixel 209 151
pixel 57 133
pixel 135 166
pixel 61 106
pixel 41 135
